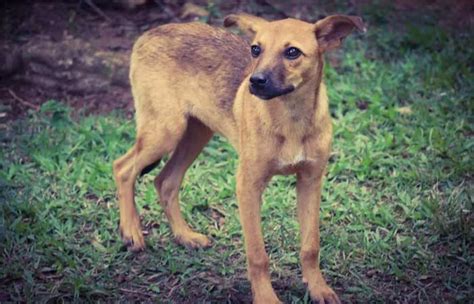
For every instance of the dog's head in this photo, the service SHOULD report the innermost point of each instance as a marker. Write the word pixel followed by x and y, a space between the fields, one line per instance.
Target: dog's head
pixel 288 53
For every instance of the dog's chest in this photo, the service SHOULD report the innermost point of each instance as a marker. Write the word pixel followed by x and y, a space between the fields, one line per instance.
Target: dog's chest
pixel 292 155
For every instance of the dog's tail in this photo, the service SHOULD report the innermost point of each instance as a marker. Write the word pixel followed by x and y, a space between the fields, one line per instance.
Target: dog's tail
pixel 150 167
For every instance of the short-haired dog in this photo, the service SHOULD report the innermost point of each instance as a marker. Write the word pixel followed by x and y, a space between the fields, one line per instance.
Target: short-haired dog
pixel 266 97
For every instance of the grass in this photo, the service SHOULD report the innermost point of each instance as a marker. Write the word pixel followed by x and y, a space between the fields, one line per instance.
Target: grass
pixel 396 220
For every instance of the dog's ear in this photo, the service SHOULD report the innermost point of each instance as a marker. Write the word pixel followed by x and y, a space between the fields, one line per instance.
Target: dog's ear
pixel 246 23
pixel 331 30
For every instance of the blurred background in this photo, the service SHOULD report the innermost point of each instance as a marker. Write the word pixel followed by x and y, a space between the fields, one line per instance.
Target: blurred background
pixel 396 213
pixel 78 51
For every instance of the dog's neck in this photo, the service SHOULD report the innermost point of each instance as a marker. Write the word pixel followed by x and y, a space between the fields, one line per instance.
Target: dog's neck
pixel 294 114
pixel 302 104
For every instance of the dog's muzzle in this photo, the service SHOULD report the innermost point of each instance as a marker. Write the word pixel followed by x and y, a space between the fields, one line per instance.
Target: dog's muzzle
pixel 263 87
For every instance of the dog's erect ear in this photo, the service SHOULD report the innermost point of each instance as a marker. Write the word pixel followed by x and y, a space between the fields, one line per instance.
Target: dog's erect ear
pixel 331 30
pixel 246 23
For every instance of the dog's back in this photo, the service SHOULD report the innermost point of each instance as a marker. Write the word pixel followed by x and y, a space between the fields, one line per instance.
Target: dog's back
pixel 193 67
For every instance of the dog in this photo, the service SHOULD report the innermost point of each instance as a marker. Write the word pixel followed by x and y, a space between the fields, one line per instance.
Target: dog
pixel 267 98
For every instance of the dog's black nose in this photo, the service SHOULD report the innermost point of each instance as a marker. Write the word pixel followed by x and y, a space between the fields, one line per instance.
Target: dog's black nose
pixel 259 80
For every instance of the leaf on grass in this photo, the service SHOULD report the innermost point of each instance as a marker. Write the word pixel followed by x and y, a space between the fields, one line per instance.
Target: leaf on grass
pixel 49 273
pixel 193 10
pixel 218 217
pixel 405 110
pixel 98 246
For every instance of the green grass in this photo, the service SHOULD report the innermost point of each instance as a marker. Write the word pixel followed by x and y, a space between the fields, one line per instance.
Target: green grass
pixel 397 215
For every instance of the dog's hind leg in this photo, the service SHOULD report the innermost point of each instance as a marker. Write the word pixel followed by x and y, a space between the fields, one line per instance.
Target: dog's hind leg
pixel 167 183
pixel 153 141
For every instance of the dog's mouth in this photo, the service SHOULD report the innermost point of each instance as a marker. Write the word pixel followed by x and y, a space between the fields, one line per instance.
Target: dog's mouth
pixel 268 92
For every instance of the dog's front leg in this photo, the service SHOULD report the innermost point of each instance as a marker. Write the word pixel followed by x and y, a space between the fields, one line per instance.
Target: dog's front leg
pixel 309 197
pixel 251 182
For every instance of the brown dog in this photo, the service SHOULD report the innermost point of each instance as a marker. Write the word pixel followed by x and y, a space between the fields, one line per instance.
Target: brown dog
pixel 268 100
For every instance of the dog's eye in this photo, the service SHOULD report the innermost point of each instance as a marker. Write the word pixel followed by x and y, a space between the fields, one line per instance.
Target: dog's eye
pixel 292 53
pixel 255 50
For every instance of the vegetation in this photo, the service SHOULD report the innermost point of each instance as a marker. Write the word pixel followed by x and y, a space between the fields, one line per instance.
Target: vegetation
pixel 397 214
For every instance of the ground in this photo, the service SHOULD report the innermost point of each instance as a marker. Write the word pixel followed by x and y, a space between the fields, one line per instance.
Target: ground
pixel 396 219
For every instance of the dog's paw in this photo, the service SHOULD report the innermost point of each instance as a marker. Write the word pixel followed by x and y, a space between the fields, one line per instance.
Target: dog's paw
pixel 323 294
pixel 263 292
pixel 266 299
pixel 192 239
pixel 132 236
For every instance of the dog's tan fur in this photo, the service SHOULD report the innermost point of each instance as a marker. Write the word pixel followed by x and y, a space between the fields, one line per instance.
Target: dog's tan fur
pixel 191 80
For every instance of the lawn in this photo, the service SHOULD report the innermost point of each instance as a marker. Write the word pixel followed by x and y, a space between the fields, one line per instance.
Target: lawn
pixel 397 215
